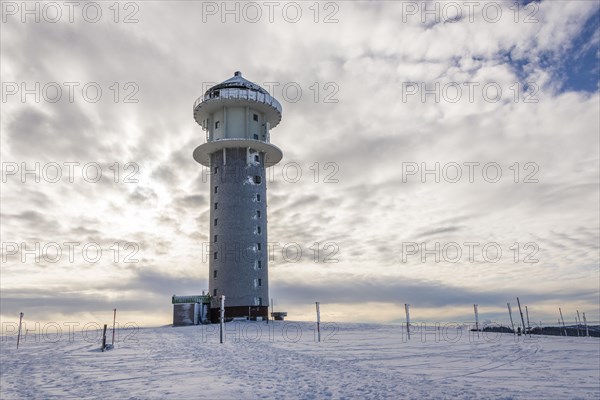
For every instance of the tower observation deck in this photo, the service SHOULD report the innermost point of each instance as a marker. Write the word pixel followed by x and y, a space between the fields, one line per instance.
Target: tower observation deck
pixel 237 116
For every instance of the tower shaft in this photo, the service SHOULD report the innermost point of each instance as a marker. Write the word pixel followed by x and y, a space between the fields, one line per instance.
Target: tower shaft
pixel 238 232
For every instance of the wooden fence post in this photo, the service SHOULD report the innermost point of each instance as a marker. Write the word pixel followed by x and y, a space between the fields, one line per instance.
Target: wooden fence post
pixel 104 338
pixel 318 321
pixel 19 334
pixel 114 321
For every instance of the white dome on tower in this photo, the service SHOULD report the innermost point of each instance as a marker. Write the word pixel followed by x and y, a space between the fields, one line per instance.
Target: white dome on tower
pixel 240 91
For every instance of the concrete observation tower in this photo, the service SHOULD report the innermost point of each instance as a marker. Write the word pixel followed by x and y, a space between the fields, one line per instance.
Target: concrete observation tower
pixel 237 116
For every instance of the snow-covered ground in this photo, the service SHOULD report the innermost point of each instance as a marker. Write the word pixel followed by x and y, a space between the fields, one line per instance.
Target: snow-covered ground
pixel 283 360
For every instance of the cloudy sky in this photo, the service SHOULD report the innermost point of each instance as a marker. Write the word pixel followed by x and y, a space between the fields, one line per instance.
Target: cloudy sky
pixel 438 156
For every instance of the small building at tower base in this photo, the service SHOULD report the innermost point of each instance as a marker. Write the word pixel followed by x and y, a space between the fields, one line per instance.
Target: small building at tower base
pixel 191 310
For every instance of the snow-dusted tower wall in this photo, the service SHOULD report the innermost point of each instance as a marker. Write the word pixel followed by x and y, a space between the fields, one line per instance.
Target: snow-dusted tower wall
pixel 237 116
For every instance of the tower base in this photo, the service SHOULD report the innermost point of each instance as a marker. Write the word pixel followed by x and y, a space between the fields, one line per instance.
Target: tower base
pixel 250 312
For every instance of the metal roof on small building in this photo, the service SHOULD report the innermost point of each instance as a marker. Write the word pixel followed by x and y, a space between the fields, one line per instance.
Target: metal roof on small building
pixel 202 299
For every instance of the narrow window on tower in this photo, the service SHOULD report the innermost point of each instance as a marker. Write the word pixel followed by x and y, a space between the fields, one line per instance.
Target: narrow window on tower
pixel 258 230
pixel 216 189
pixel 216 206
pixel 257 213
pixel 217 124
pixel 260 301
pixel 215 292
pixel 255 136
pixel 216 170
pixel 215 255
pixel 257 179
pixel 259 264
pixel 257 157
pixel 258 197
pixel 215 274
pixel 216 221
pixel 259 282
pixel 258 246
pixel 255 117
pixel 216 237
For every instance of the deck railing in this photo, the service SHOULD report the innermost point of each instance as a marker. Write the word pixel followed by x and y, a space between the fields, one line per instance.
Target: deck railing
pixel 238 94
